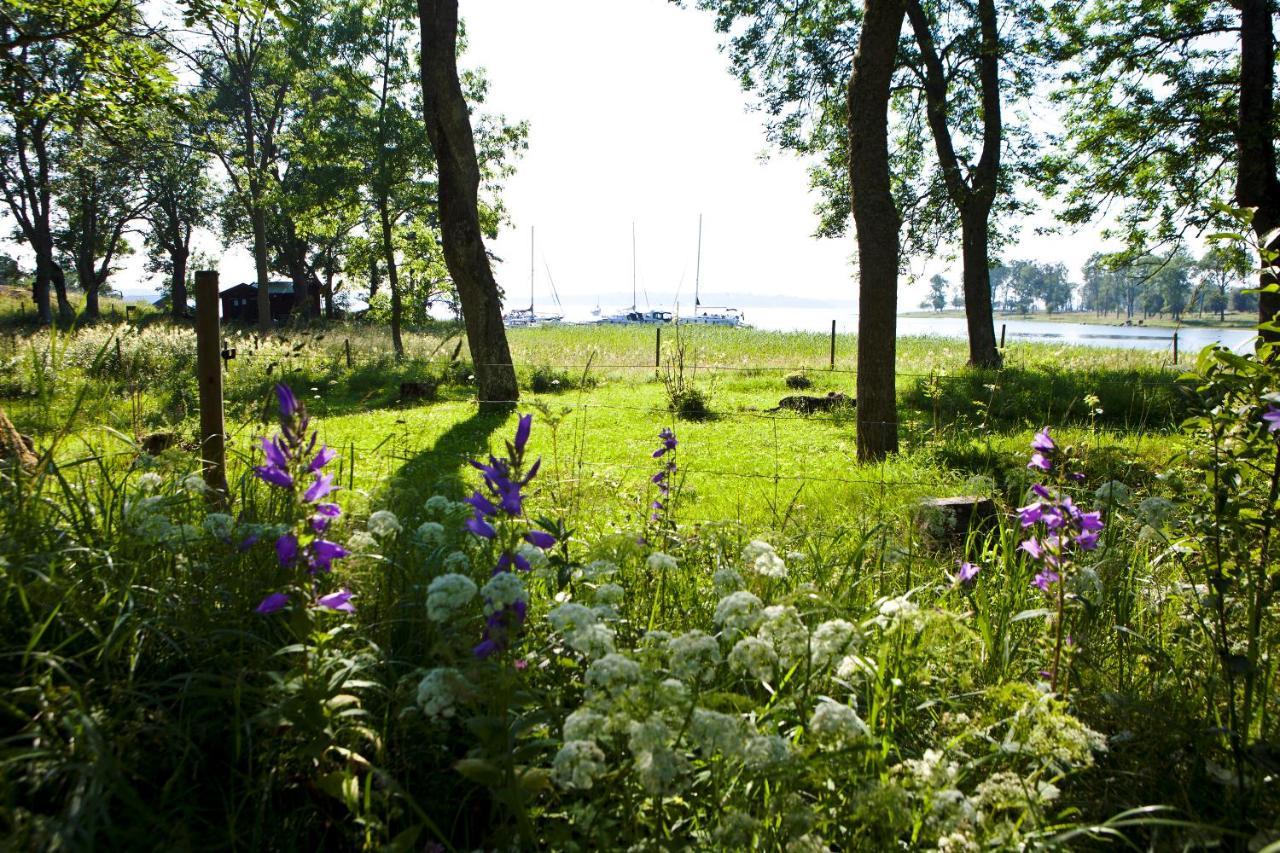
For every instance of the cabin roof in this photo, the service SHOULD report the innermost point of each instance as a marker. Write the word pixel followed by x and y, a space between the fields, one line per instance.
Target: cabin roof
pixel 274 288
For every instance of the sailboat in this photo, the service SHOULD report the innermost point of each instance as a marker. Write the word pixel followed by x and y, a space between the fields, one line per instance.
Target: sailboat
pixel 527 316
pixel 711 316
pixel 632 315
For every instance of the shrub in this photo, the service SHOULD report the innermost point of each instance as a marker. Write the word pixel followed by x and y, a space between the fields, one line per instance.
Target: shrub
pixel 798 381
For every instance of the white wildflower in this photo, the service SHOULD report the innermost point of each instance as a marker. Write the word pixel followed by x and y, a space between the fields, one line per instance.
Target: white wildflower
pixel 536 556
pixel 578 764
pixel 808 843
pixel 612 672
pixel 655 763
pixel 593 641
pixel 765 751
pixel 1155 511
pixel 726 579
pixel 150 482
pixel 597 569
pixel 659 562
pixel 457 562
pixel 836 724
pixel 438 692
pixel 361 543
pixel 714 732
pixel 447 594
pixel 755 657
pixel 195 484
pixel 572 616
pixel 831 640
pixel 219 525
pixel 438 506
pixel 383 523
pixel 783 629
pixel 608 595
pixel 583 724
pixel 502 590
pixel 738 613
pixel 761 558
pixel 430 534
pixel 694 654
pixel 900 612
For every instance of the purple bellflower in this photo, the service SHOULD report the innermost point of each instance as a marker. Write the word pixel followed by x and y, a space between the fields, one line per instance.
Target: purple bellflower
pixel 1271 417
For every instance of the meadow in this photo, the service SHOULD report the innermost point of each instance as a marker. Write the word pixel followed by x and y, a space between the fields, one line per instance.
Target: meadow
pixel 697 623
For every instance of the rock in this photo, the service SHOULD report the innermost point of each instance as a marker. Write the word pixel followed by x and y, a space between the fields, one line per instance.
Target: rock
pixel 418 390
pixel 156 443
pixel 806 404
pixel 14 446
pixel 943 522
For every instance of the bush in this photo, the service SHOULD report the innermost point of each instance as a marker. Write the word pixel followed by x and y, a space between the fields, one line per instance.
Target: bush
pixel 798 381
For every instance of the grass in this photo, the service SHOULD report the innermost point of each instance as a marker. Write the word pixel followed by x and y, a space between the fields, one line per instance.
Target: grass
pixel 1232 320
pixel 147 706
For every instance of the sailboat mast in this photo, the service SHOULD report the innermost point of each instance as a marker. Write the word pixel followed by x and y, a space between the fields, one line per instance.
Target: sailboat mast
pixel 531 230
pixel 697 275
pixel 633 265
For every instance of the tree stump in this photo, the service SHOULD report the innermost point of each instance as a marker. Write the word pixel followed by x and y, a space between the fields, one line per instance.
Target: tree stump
pixel 945 522
pixel 14 446
pixel 418 391
pixel 156 443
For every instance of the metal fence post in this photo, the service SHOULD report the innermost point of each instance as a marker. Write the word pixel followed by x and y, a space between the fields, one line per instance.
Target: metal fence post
pixel 213 442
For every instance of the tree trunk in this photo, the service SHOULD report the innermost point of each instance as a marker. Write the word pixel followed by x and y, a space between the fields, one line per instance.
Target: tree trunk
pixel 327 291
pixel 299 274
pixel 65 311
pixel 393 280
pixel 449 129
pixel 43 281
pixel 258 215
pixel 1256 183
pixel 977 288
pixel 178 286
pixel 876 221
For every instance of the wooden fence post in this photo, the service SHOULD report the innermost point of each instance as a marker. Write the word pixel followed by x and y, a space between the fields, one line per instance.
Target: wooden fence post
pixel 1175 346
pixel 1002 326
pixel 833 344
pixel 657 351
pixel 213 442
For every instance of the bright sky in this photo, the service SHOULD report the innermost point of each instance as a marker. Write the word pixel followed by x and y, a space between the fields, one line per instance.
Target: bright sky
pixel 634 117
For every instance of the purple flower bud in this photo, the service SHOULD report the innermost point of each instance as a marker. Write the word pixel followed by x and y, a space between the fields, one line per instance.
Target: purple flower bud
pixel 968 571
pixel 1030 514
pixel 287 549
pixel 323 458
pixel 486 648
pixel 480 527
pixel 340 600
pixel 321 487
pixel 273 476
pixel 540 539
pixel 533 471
pixel 661 451
pixel 288 403
pixel 249 541
pixel 1045 578
pixel 522 432
pixel 1042 443
pixel 275 454
pixel 1271 417
pixel 483 506
pixel 323 553
pixel 1041 492
pixel 273 603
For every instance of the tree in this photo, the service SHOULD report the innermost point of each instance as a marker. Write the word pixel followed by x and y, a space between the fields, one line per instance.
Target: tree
pixel 876 221
pixel 449 128
pixel 937 293
pixel 1168 116
pixel 98 189
pixel 1221 267
pixel 180 197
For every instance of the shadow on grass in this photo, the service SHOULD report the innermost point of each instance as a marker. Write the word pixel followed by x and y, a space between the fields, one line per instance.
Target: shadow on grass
pixel 1018 396
pixel 440 470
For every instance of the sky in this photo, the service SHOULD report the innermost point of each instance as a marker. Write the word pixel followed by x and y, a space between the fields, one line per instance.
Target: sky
pixel 635 121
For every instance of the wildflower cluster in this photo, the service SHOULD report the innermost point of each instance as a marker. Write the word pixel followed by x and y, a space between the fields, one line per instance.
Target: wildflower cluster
pixel 1062 527
pixel 662 479
pixel 291 467
pixel 499 518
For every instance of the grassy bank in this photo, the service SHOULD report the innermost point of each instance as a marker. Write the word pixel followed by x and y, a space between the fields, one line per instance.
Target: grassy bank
pixel 1232 320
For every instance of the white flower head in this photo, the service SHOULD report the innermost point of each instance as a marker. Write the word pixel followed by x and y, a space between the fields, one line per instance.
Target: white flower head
pixel 572 616
pixel 583 724
pixel 595 570
pixel 150 482
pixel 448 594
pixel 761 558
pixel 437 507
pixel 195 484
pixel 659 562
pixel 361 542
pixel 783 629
pixel 831 640
pixel 536 556
pixel 738 613
pixel 501 591
pixel 430 534
pixel 612 672
pixel 578 764
pixel 694 654
pixel 219 525
pixel 714 732
pixel 726 580
pixel 457 562
pixel 608 595
pixel 754 657
pixel 765 751
pixel 438 692
pixel 835 724
pixel 383 523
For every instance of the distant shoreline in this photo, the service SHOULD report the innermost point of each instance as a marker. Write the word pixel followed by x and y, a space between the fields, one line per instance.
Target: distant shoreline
pixel 1235 319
